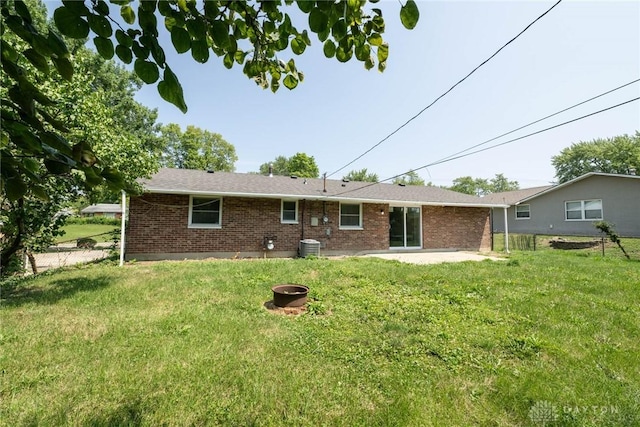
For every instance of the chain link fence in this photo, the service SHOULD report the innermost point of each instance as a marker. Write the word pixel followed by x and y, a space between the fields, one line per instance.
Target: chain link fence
pixel 71 252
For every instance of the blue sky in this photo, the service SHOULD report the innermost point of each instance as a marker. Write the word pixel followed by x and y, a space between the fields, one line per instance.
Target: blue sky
pixel 580 49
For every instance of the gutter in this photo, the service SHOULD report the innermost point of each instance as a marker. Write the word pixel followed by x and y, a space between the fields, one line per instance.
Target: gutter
pixel 324 198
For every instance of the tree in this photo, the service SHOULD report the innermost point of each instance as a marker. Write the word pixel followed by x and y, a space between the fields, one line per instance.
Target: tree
pixel 196 148
pixel 410 178
pixel 362 175
pixel 300 164
pixel 619 155
pixel 35 138
pixel 482 186
pixel 470 185
pixel 500 183
pixel 304 166
pixel 97 114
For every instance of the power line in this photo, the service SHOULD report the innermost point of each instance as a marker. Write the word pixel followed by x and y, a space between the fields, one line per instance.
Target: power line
pixel 448 159
pixel 445 93
pixel 543 118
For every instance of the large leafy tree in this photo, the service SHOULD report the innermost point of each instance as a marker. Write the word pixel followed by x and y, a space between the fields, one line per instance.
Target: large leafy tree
pixel 36 138
pixel 482 186
pixel 251 34
pixel 196 148
pixel 300 164
pixel 362 175
pixel 96 115
pixel 619 154
pixel 410 178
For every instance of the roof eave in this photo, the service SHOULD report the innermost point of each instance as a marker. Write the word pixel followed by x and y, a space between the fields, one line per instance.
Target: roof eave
pixel 323 198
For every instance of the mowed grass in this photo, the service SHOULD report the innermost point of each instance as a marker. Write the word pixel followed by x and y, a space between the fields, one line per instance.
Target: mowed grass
pixel 191 343
pixel 76 231
pixel 631 245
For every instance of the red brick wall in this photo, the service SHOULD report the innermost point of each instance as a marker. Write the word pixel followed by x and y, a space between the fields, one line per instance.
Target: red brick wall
pixel 158 223
pixel 456 227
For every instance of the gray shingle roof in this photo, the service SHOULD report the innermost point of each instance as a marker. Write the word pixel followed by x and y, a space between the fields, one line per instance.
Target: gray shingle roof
pixel 184 181
pixel 102 207
pixel 514 197
pixel 511 197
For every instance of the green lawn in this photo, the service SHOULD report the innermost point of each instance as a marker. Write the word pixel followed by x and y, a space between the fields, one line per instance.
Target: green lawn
pixel 631 245
pixel 190 343
pixel 75 231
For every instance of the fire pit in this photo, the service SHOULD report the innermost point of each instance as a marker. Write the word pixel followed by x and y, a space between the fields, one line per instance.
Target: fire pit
pixel 290 295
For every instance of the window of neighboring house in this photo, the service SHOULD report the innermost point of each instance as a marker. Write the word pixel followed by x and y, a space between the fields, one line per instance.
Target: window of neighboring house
pixel 109 215
pixel 289 212
pixel 205 212
pixel 350 216
pixel 583 210
pixel 523 211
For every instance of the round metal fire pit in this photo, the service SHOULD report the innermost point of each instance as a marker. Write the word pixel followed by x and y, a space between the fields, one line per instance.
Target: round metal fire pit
pixel 290 295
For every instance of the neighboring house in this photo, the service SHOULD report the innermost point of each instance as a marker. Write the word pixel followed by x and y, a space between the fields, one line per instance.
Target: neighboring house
pixel 573 207
pixel 197 214
pixel 107 210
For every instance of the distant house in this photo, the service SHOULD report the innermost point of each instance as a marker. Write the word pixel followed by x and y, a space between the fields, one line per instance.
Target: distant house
pixel 573 207
pixel 196 214
pixel 107 210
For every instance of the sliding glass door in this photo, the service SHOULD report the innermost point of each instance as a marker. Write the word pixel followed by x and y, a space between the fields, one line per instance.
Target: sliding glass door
pixel 405 230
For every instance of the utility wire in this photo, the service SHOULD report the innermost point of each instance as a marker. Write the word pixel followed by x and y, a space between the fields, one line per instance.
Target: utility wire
pixel 445 93
pixel 544 118
pixel 448 159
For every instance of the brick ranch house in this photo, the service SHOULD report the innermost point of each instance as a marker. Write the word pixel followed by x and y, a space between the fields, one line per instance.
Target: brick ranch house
pixel 198 214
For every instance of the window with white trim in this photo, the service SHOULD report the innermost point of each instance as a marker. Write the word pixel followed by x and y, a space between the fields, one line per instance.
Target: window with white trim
pixel 523 211
pixel 583 210
pixel 289 212
pixel 205 212
pixel 350 216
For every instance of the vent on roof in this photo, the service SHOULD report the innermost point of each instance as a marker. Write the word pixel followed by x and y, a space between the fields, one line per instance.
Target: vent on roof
pixel 210 171
pixel 345 180
pixel 294 177
pixel 402 185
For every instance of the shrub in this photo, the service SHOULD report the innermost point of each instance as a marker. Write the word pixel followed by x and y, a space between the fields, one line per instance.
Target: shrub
pixel 93 220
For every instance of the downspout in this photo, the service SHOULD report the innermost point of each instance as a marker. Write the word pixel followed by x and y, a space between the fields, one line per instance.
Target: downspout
pixel 122 224
pixel 506 231
pixel 304 203
pixel 491 213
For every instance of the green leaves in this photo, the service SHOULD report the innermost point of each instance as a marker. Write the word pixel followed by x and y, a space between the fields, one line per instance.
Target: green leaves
pixel 104 47
pixel 200 51
pixel 70 24
pixel 220 34
pixel 171 91
pixel 329 49
pixel 409 15
pixel 100 25
pixel 64 67
pixel 290 82
pixel 146 70
pixel 124 53
pixel 180 39
pixel 128 14
pixel 318 20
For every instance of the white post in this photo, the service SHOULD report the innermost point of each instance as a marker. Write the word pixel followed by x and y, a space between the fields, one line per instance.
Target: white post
pixel 122 224
pixel 506 231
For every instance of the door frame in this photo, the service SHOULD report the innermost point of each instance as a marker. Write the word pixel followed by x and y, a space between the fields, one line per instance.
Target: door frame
pixel 404 227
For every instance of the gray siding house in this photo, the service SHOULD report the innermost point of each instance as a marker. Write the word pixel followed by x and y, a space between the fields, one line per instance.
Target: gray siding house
pixel 573 207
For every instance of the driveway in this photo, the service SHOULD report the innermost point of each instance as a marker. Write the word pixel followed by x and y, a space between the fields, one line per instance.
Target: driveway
pixel 434 257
